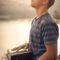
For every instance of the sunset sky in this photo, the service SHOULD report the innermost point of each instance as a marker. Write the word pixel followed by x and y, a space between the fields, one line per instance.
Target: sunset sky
pixel 22 8
pixel 17 8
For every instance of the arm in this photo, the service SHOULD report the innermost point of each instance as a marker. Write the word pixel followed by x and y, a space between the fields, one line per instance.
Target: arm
pixel 50 36
pixel 50 54
pixel 20 47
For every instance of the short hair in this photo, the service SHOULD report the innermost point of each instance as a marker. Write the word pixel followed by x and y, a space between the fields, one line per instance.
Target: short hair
pixel 50 3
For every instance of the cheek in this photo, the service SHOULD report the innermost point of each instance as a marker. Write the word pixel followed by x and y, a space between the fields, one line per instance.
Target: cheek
pixel 34 3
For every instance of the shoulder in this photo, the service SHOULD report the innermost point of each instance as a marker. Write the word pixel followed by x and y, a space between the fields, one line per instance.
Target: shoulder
pixel 47 19
pixel 48 22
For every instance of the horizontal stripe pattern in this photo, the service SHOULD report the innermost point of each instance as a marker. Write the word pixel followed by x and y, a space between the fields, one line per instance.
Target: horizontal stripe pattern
pixel 43 31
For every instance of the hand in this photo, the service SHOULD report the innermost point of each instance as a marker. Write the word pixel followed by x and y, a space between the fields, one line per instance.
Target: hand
pixel 16 49
pixel 25 46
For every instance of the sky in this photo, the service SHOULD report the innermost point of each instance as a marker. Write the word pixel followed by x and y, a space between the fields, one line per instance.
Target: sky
pixel 16 8
pixel 23 9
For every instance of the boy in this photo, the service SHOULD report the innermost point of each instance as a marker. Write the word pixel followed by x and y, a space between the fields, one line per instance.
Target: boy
pixel 43 33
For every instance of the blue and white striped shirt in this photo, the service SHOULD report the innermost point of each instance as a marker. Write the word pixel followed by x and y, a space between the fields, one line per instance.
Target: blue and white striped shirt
pixel 43 31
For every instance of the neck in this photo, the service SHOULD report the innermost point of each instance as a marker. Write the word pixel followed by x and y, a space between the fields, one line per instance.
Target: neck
pixel 40 11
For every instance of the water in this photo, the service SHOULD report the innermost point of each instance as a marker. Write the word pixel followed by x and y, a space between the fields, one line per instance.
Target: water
pixel 15 33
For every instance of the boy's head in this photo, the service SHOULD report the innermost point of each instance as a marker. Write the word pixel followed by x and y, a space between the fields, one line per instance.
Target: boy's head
pixel 40 3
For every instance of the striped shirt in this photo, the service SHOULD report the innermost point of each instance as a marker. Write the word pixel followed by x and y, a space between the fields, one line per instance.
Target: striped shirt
pixel 43 31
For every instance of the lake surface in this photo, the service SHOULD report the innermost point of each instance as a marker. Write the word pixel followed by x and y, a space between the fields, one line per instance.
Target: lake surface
pixel 15 33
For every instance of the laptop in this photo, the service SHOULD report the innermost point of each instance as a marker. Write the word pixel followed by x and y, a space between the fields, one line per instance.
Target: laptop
pixel 20 56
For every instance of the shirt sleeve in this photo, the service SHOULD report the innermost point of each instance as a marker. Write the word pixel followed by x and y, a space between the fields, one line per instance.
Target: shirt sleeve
pixel 50 33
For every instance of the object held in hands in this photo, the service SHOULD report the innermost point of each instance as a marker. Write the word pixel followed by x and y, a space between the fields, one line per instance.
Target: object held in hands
pixel 20 56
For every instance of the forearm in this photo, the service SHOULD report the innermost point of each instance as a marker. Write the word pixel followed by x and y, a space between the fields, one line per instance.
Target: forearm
pixel 47 56
pixel 24 46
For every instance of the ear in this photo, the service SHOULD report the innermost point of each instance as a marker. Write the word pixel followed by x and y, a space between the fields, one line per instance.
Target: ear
pixel 45 2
